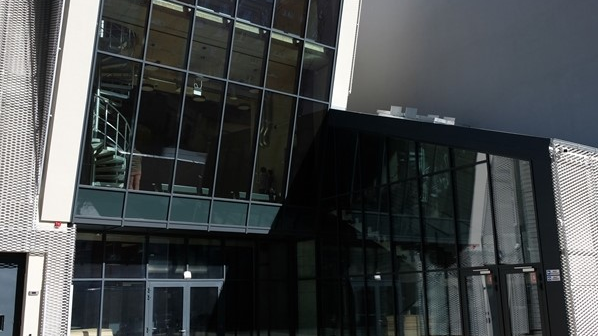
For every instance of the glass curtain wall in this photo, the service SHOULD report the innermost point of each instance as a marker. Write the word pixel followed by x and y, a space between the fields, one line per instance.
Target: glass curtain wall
pixel 196 100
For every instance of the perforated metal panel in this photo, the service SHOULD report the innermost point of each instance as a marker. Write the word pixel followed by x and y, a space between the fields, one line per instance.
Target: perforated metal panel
pixel 575 177
pixel 29 33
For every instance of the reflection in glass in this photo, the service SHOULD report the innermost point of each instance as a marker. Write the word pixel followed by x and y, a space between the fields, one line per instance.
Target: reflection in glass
pixel 166 258
pixel 169 32
pixel 219 6
pixel 406 237
pixel 437 203
pixel 524 304
pixel 111 114
pixel 514 209
pixel 124 256
pixel 123 310
pixel 273 148
pixel 316 72
pixel 206 260
pixel 122 27
pixel 198 144
pixel 373 160
pixel 464 157
pixel 410 301
pixel 167 311
pixel 289 16
pixel 442 293
pixel 211 40
pixel 95 203
pixel 347 166
pixel 474 217
pixel 482 305
pixel 283 63
pixel 85 309
pixel 88 249
pixel 239 133
pixel 377 231
pixel 322 21
pixel 203 311
pixel 401 159
pixel 433 158
pixel 351 235
pixel 249 49
pixel 256 11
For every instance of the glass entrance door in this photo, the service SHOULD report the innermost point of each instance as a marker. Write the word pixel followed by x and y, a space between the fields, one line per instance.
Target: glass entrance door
pixel 182 308
pixel 502 301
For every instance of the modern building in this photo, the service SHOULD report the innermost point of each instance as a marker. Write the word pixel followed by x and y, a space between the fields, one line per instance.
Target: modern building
pixel 188 167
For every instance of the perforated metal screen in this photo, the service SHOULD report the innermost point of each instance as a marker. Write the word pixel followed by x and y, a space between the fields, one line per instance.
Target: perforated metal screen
pixel 29 33
pixel 575 176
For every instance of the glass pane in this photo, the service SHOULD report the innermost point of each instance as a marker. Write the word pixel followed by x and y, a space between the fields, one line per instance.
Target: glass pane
pixel 157 128
pixel 239 299
pixel 302 185
pixel 514 209
pixel 167 311
pixel 94 203
pixel 85 309
pixel 440 237
pixel 123 310
pixel 444 317
pixel 226 213
pixel 401 159
pixel 239 260
pixel 211 40
pixel 189 210
pixel 169 34
pixel 206 259
pixel 357 297
pixel 372 158
pixel 433 158
pixel 377 231
pixel 256 11
pixel 406 226
pixel 122 28
pixel 307 308
pixel 524 304
pixel 203 311
pixel 146 207
pixel 289 16
pixel 272 260
pixel 111 113
pixel 316 72
pixel 88 252
pixel 410 300
pixel 166 258
pixel 351 235
pixel 283 64
pixel 322 21
pixel 482 305
pixel 330 308
pixel 464 157
pixel 124 256
pixel 264 216
pixel 347 167
pixel 306 259
pixel 380 306
pixel 273 148
pixel 239 134
pixel 196 157
pixel 474 217
pixel 249 49
pixel 220 6
pixel 273 308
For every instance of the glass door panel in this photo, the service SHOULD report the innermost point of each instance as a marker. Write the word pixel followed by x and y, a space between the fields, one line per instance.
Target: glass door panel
pixel 482 309
pixel 167 311
pixel 203 311
pixel 523 301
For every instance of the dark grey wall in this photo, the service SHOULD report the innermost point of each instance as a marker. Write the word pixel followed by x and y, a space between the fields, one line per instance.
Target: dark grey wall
pixel 528 67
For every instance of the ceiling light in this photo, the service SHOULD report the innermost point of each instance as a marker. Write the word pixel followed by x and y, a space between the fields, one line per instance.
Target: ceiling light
pixel 169 5
pixel 243 107
pixel 208 16
pixel 282 38
pixel 199 99
pixel 314 47
pixel 147 88
pixel 248 28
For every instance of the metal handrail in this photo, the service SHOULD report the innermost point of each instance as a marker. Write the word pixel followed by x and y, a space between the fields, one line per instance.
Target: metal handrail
pixel 110 125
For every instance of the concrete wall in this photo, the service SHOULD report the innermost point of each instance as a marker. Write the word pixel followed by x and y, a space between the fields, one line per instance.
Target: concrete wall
pixel 527 67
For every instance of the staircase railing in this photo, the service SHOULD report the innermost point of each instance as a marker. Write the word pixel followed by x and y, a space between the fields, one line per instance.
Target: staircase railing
pixel 110 126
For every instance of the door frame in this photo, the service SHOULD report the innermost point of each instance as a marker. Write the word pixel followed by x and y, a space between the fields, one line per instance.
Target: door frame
pixel 186 286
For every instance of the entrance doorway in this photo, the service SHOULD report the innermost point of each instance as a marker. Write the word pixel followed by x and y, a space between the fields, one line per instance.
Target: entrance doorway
pixel 504 300
pixel 183 308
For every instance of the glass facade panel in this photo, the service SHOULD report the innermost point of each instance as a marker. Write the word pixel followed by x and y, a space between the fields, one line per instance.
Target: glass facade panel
pixel 166 258
pixel 169 33
pixel 410 304
pixel 442 293
pixel 228 213
pixel 377 231
pixel 122 27
pixel 273 148
pixel 317 71
pixel 239 134
pixel 401 159
pixel 88 261
pixel 189 210
pixel 256 11
pixel 406 227
pixel 466 158
pixel 514 206
pixel 264 216
pixel 373 161
pixel 439 225
pixel 283 63
pixel 474 217
pixel 142 206
pixel 290 15
pixel 198 143
pixel 211 43
pixel 433 158
pixel 205 259
pixel 249 54
pixel 123 256
pixel 203 311
pixel 322 21
pixel 307 316
pixel 124 310
pixel 219 6
pixel 167 311
pixel 85 309
pixel 96 203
